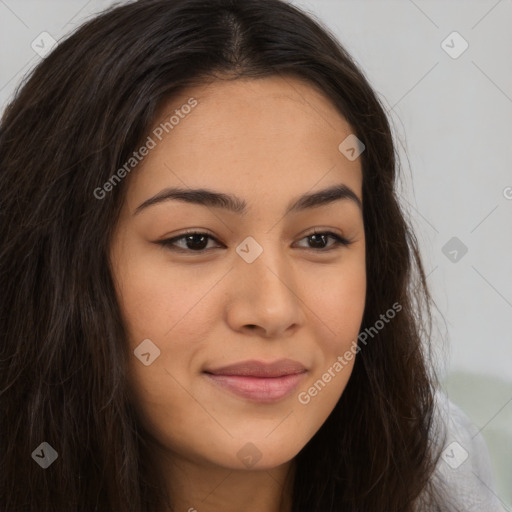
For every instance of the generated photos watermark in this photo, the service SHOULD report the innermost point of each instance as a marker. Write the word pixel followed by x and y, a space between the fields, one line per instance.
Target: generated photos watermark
pixel 151 143
pixel 341 362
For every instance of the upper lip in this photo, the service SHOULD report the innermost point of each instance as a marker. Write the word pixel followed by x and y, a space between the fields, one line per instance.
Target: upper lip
pixel 277 368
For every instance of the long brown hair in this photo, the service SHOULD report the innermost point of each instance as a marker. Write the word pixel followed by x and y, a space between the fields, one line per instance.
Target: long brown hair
pixel 77 118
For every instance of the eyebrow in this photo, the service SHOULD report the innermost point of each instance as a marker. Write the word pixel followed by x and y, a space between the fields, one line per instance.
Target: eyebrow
pixel 206 197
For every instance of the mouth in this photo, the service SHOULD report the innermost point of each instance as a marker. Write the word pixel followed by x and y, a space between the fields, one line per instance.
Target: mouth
pixel 258 381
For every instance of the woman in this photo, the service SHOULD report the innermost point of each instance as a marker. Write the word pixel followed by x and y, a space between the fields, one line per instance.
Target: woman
pixel 213 300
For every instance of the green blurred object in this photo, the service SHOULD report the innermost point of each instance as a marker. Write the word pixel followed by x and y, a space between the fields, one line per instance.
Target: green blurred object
pixel 487 401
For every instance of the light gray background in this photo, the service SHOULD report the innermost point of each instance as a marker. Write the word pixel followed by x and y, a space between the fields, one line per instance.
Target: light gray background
pixel 452 118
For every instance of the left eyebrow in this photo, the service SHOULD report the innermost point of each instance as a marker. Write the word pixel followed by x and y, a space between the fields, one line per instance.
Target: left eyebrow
pixel 206 197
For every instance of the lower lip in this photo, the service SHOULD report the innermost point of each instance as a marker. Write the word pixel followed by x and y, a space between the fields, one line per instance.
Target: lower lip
pixel 259 389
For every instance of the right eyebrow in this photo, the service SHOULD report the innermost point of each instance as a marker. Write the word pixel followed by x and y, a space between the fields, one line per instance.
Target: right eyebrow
pixel 206 197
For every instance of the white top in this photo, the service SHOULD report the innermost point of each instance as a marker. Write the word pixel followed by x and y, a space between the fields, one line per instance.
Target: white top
pixel 464 467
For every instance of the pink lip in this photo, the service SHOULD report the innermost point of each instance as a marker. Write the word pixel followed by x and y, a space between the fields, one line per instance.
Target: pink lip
pixel 258 381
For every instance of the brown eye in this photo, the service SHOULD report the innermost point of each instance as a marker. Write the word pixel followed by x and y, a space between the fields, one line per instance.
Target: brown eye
pixel 319 240
pixel 189 242
pixel 197 242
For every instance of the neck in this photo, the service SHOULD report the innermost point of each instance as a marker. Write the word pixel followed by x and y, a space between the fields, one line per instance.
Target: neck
pixel 202 487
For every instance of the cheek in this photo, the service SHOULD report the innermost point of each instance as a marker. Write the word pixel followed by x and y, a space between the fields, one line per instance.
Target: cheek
pixel 337 302
pixel 171 309
pixel 163 392
pixel 175 310
pixel 341 308
pixel 157 302
pixel 176 321
pixel 337 315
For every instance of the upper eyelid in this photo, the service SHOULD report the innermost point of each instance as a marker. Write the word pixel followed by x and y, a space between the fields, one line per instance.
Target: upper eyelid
pixel 340 238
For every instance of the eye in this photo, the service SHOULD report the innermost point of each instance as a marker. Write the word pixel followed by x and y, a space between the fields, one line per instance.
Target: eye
pixel 197 242
pixel 319 240
pixel 191 241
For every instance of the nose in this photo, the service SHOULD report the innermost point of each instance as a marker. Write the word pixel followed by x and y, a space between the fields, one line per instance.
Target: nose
pixel 263 297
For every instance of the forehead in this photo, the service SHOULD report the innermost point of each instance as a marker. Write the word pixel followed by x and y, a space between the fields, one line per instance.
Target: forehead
pixel 268 107
pixel 247 133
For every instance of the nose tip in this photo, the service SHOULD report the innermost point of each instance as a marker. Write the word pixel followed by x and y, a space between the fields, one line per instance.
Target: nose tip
pixel 262 298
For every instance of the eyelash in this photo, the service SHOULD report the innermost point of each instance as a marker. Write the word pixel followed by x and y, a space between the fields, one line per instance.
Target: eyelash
pixel 339 241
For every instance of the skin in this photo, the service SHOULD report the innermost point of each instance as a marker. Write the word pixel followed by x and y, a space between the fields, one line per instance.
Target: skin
pixel 267 141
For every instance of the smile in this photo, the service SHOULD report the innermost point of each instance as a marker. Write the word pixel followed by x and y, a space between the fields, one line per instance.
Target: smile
pixel 259 381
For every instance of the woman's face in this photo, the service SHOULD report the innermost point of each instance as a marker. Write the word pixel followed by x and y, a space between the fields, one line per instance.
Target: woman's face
pixel 255 286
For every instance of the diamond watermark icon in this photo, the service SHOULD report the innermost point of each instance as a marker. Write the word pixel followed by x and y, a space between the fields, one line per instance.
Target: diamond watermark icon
pixel 146 352
pixel 249 249
pixel 351 147
pixel 43 44
pixel 454 455
pixel 454 45
pixel 249 454
pixel 454 249
pixel 44 455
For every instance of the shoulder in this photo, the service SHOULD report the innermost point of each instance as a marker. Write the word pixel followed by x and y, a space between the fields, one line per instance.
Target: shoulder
pixel 464 469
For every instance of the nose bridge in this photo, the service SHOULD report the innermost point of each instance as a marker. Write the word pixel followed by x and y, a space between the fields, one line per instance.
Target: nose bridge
pixel 264 292
pixel 266 266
